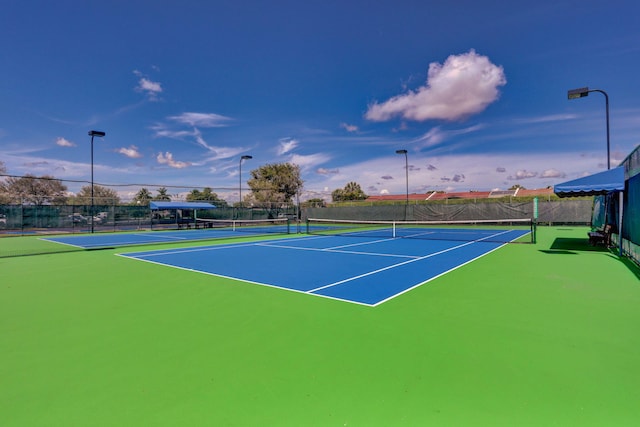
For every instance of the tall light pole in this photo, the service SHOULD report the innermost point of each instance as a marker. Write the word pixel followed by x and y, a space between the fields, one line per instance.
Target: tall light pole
pixel 100 134
pixel 245 157
pixel 581 93
pixel 406 169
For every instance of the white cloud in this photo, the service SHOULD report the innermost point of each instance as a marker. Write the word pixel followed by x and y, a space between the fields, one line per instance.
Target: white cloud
pixel 324 171
pixel 131 152
pixel 205 120
pixel 522 174
pixel 464 85
pixel 167 159
pixel 148 87
pixel 552 173
pixel 63 142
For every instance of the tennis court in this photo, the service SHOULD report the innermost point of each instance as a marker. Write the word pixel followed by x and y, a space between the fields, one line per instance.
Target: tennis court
pixel 211 230
pixel 366 270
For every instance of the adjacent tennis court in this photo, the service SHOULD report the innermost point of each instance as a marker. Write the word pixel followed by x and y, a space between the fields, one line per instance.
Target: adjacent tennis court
pixel 365 270
pixel 210 230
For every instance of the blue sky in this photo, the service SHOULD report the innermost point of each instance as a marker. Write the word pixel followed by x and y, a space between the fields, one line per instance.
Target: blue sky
pixel 476 91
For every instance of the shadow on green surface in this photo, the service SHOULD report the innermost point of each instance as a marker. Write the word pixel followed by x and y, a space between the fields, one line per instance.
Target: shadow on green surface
pixel 574 244
pixel 632 266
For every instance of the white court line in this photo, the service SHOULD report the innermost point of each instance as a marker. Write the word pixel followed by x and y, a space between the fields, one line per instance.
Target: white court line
pixel 335 251
pixel 435 277
pixel 156 252
pixel 284 288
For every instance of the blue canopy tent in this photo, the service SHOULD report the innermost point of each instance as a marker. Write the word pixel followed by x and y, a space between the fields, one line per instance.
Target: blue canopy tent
pixel 593 185
pixel 182 211
pixel 604 184
pixel 180 205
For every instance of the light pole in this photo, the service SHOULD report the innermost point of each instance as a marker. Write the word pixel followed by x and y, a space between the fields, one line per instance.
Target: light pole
pixel 581 93
pixel 245 157
pixel 406 168
pixel 93 133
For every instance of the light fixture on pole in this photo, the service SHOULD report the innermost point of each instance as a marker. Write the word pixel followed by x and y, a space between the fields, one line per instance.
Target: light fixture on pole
pixel 406 168
pixel 245 157
pixel 100 134
pixel 581 93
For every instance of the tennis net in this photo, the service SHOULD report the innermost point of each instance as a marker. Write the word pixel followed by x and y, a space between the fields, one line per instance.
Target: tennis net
pixel 502 231
pixel 253 226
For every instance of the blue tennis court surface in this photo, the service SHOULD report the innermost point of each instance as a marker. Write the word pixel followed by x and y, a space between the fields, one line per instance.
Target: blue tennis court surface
pixel 366 271
pixel 105 240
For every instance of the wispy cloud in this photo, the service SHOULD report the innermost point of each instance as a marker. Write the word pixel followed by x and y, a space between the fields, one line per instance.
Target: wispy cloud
pixel 309 161
pixel 203 120
pixel 194 135
pixel 464 85
pixel 436 136
pixel 63 142
pixel 285 145
pixel 349 128
pixel 547 119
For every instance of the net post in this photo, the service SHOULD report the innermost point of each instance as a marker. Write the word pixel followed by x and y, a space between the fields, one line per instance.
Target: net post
pixel 394 230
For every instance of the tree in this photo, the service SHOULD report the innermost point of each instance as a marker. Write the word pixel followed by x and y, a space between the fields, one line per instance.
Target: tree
pixel 273 185
pixel 314 203
pixel 517 186
pixel 351 191
pixel 32 190
pixel 142 197
pixel 101 196
pixel 162 195
pixel 206 195
pixel 4 197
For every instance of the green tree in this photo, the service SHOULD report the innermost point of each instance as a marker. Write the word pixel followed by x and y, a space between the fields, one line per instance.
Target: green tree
pixel 206 195
pixel 32 190
pixel 4 197
pixel 162 195
pixel 351 191
pixel 274 185
pixel 314 203
pixel 142 197
pixel 101 196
